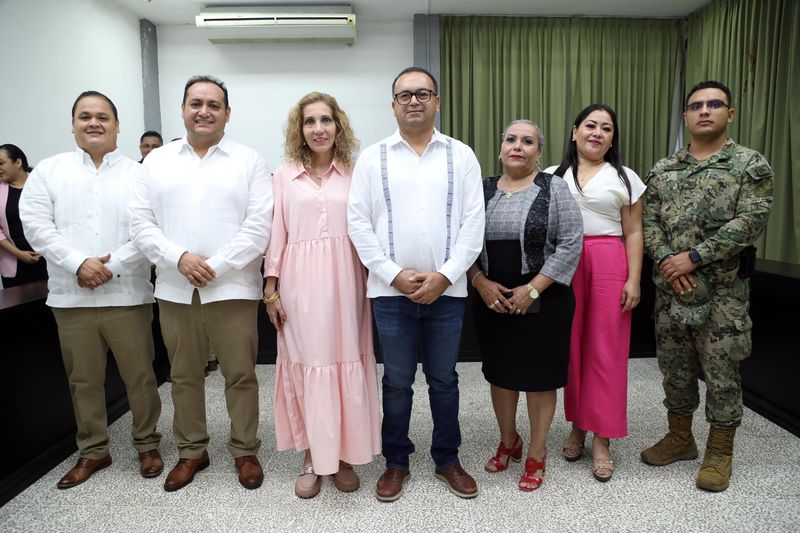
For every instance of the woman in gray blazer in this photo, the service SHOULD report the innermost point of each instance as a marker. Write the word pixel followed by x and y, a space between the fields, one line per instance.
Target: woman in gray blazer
pixel 531 248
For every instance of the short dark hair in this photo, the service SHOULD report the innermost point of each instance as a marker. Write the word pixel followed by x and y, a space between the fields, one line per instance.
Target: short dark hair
pixel 416 69
pixel 711 84
pixel 15 152
pixel 86 94
pixel 204 78
pixel 151 133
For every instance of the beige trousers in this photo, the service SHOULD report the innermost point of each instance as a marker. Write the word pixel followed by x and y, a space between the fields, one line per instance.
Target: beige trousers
pixel 187 330
pixel 86 334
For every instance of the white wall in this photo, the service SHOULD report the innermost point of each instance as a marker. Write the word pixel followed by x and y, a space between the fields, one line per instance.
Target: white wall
pixel 52 51
pixel 265 80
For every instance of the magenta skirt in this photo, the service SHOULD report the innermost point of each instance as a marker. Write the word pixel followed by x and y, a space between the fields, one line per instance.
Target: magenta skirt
pixel 595 397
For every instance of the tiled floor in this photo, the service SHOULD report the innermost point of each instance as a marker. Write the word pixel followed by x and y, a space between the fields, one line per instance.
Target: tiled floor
pixel 764 494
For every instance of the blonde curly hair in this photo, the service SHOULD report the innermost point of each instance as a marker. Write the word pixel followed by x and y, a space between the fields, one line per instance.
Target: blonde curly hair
pixel 345 145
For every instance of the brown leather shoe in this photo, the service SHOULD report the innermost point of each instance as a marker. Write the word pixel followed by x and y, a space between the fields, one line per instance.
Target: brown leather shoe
pixel 460 483
pixel 346 479
pixel 184 472
pixel 150 463
pixel 390 484
pixel 82 471
pixel 251 476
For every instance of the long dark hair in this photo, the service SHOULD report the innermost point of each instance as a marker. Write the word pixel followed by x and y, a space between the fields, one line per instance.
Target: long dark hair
pixel 612 156
pixel 14 152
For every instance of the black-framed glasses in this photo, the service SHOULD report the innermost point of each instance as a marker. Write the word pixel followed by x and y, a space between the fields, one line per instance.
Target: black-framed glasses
pixel 423 95
pixel 712 104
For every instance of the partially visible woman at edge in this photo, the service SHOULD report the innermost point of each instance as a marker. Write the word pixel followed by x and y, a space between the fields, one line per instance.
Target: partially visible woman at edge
pixel 522 318
pixel 326 391
pixel 606 285
pixel 19 264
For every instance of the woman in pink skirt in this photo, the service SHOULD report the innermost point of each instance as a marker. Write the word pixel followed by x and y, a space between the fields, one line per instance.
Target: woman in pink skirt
pixel 326 392
pixel 606 285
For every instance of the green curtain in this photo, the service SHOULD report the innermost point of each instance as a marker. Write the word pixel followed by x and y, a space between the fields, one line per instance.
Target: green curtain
pixel 496 69
pixel 753 46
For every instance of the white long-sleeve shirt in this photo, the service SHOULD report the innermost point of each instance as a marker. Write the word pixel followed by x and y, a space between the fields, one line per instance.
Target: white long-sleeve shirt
pixel 219 207
pixel 418 194
pixel 71 211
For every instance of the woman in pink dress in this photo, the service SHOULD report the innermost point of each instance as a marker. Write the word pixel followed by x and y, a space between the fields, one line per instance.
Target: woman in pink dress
pixel 326 391
pixel 606 285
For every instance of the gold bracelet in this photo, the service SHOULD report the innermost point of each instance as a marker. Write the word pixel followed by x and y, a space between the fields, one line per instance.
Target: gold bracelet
pixel 472 281
pixel 272 298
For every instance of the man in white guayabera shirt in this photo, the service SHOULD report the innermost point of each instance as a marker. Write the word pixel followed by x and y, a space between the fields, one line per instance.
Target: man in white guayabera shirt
pixel 202 214
pixel 74 211
pixel 416 218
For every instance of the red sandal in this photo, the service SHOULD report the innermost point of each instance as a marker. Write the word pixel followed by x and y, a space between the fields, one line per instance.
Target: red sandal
pixel 514 453
pixel 531 466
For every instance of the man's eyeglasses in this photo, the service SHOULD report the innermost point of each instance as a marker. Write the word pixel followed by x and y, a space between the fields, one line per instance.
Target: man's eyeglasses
pixel 423 95
pixel 712 104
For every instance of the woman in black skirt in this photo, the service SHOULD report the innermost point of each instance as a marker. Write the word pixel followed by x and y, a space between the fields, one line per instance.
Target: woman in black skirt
pixel 19 264
pixel 533 238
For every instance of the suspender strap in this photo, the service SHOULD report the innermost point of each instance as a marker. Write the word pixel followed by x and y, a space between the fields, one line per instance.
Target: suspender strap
pixel 387 196
pixel 449 195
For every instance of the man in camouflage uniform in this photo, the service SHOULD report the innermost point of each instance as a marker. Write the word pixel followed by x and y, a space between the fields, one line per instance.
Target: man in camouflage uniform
pixel 703 209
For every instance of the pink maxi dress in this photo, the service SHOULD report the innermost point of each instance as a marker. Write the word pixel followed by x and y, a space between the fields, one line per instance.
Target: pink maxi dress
pixel 326 391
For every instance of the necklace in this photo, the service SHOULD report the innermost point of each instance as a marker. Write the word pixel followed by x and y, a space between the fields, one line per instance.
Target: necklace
pixel 590 174
pixel 314 175
pixel 509 192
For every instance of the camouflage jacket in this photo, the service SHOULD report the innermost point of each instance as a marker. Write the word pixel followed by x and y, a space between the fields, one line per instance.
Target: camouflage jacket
pixel 717 206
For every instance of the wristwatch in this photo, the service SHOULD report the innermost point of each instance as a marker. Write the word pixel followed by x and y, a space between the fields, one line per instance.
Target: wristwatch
pixel 532 292
pixel 694 257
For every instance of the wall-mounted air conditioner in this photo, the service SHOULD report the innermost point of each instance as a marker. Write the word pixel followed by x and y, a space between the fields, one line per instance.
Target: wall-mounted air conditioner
pixel 253 24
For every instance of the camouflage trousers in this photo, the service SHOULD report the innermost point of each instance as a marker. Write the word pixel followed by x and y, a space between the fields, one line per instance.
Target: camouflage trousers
pixel 714 348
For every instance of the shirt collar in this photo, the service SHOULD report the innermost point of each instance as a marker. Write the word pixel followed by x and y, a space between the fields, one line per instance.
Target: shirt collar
pixel 224 145
pixel 396 138
pixel 298 169
pixel 109 159
pixel 723 154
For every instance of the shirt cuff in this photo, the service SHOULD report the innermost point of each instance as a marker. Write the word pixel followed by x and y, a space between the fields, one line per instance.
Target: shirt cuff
pixel 662 252
pixel 451 271
pixel 173 255
pixel 74 260
pixel 116 267
pixel 388 271
pixel 218 264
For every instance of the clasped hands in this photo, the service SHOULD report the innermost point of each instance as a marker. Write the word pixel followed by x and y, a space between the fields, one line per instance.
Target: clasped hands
pixel 491 293
pixel 421 287
pixel 195 269
pixel 677 270
pixel 93 272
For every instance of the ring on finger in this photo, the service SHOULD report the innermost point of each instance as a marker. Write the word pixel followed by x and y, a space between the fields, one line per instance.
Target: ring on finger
pixel 519 311
pixel 492 306
pixel 495 302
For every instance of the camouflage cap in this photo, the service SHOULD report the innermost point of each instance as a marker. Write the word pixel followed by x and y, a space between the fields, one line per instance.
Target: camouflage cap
pixel 692 308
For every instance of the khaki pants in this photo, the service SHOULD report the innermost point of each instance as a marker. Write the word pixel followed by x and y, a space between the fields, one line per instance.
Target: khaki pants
pixel 86 334
pixel 188 329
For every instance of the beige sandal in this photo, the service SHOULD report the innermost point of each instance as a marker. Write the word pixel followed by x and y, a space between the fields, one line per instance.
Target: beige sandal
pixel 308 483
pixel 603 470
pixel 346 480
pixel 571 450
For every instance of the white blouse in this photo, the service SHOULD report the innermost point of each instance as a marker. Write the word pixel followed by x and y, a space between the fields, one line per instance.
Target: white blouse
pixel 603 198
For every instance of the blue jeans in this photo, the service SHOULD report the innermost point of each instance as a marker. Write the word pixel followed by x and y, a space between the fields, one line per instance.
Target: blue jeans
pixel 403 326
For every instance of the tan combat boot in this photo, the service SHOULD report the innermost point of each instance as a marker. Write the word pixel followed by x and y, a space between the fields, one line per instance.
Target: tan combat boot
pixel 715 473
pixel 677 445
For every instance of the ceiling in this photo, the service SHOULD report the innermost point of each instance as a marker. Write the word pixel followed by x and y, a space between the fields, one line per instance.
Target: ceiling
pixel 176 12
